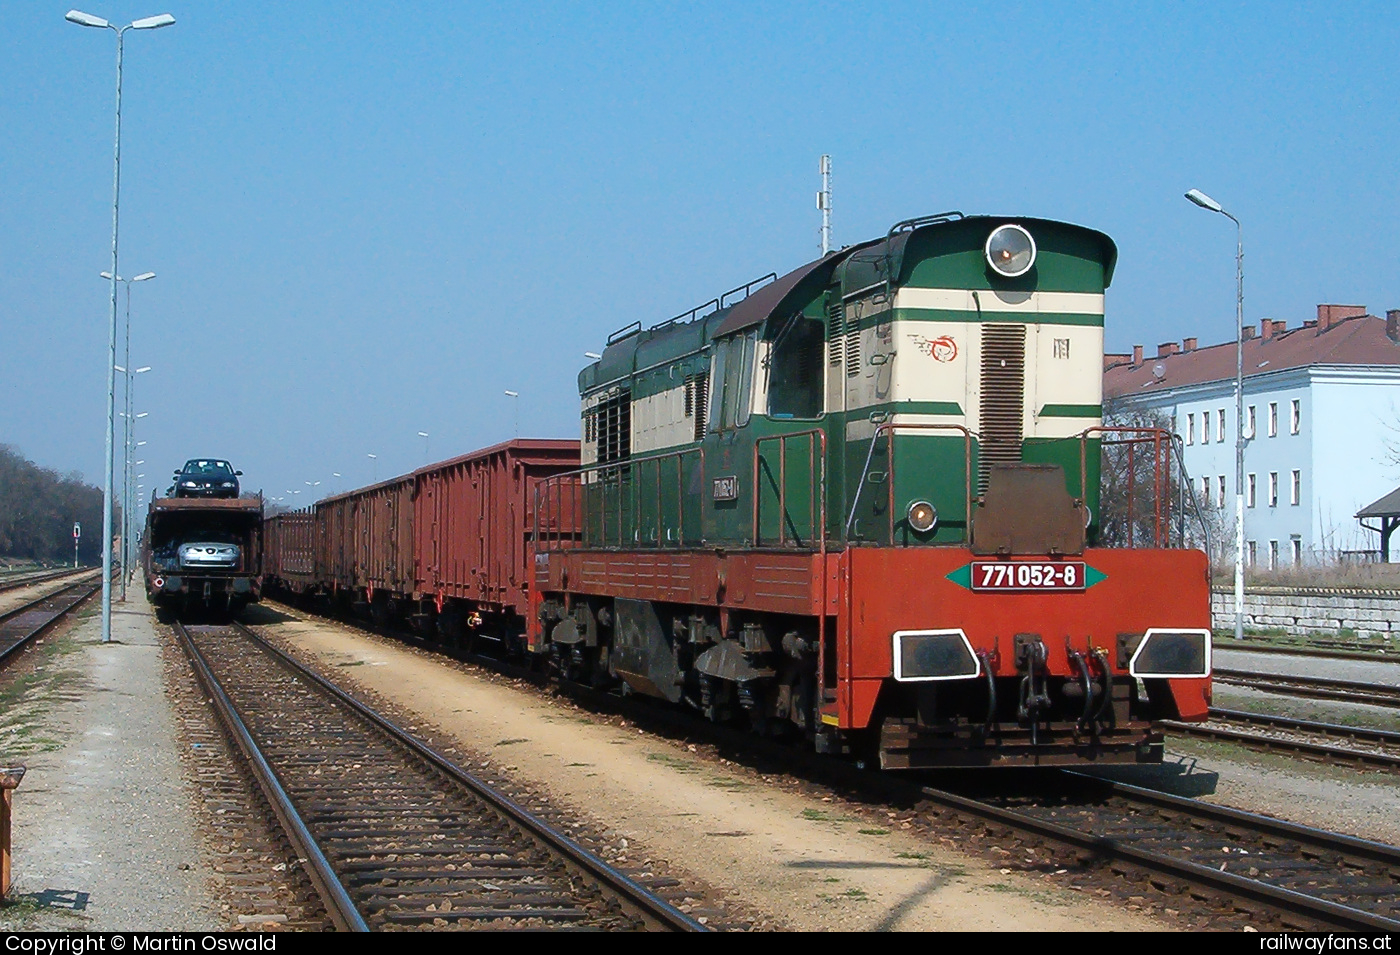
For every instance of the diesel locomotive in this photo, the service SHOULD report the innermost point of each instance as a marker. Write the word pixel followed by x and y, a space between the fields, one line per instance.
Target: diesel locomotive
pixel 856 505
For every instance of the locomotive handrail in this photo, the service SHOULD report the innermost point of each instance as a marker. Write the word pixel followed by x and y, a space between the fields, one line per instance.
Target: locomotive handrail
pixel 624 332
pixel 1163 442
pixel 889 427
pixel 747 287
pixel 577 483
pixel 817 506
pixel 1190 493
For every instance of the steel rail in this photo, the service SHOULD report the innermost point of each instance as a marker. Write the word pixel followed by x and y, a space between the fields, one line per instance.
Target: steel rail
pixel 339 906
pixel 1351 691
pixel 1337 652
pixel 649 906
pixel 1329 751
pixel 1237 886
pixel 79 592
pixel 29 580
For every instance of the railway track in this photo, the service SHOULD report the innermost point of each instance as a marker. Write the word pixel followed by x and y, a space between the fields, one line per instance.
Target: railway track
pixel 1238 864
pixel 1328 742
pixel 28 580
pixel 1375 694
pixel 1207 862
pixel 393 834
pixel 26 622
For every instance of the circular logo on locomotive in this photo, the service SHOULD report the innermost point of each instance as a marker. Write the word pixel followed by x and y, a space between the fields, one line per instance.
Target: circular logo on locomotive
pixel 942 348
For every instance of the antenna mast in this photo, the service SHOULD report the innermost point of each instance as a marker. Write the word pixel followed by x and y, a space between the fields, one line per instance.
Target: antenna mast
pixel 824 203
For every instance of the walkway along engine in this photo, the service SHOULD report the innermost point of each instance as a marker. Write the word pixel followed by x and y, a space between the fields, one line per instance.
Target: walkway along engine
pixel 865 503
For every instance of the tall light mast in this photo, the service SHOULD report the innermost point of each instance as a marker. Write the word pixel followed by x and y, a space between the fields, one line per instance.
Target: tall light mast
pixel 824 204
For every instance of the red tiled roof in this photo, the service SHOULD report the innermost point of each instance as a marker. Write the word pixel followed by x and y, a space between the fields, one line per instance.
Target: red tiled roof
pixel 1360 340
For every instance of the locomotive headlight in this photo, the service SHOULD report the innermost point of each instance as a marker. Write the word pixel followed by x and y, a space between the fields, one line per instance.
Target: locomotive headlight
pixel 923 516
pixel 1010 251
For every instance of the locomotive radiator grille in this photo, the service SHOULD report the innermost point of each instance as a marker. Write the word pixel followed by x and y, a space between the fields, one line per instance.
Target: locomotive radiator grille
pixel 1003 398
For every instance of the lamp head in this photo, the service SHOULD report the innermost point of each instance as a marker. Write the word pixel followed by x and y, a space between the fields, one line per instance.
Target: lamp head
pixel 86 19
pixel 153 23
pixel 1204 201
pixel 144 276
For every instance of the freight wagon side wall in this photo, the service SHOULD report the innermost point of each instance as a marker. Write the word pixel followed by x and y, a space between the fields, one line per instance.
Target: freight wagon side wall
pixel 366 538
pixel 289 550
pixel 384 528
pixel 475 520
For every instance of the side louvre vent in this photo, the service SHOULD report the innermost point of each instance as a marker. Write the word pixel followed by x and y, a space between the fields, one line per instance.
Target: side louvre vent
pixel 853 342
pixel 1003 397
pixel 614 416
pixel 697 395
pixel 836 328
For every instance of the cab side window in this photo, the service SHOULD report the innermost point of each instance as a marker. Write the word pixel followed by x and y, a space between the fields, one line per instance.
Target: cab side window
pixel 732 379
pixel 795 380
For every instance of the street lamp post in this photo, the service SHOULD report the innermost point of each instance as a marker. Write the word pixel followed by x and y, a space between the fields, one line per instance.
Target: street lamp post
pixel 1210 205
pixel 130 374
pixel 145 23
pixel 515 401
pixel 424 436
pixel 375 472
pixel 129 428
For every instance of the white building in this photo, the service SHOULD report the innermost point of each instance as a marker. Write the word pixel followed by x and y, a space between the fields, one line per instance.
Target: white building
pixel 1322 425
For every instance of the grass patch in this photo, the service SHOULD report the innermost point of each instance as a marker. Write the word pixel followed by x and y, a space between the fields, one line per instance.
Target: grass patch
pixel 728 783
pixel 673 762
pixel 873 832
pixel 1034 895
pixel 821 815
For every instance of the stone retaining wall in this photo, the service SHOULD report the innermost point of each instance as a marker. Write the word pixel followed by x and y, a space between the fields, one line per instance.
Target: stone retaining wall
pixel 1370 613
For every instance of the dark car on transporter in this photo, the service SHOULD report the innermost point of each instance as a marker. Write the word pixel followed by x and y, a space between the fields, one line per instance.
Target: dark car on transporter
pixel 207 477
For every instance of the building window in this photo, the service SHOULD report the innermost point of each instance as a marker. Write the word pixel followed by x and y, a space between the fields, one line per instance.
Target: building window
pixel 1253 423
pixel 1297 546
pixel 1295 420
pixel 1190 429
pixel 1273 489
pixel 1273 419
pixel 1205 488
pixel 1253 553
pixel 1273 555
pixel 1220 425
pixel 1297 492
pixel 1249 491
pixel 1220 502
pixel 1205 427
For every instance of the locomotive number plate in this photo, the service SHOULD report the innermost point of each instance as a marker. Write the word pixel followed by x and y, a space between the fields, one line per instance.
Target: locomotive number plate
pixel 1000 576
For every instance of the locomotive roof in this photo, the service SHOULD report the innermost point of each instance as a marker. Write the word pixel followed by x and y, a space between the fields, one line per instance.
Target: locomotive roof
pixel 759 306
pixel 631 351
pixel 892 247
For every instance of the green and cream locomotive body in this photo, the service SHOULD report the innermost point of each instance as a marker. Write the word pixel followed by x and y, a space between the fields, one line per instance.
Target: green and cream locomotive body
pixel 776 492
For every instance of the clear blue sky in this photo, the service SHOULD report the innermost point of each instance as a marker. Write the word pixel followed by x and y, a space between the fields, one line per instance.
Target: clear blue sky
pixel 370 220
